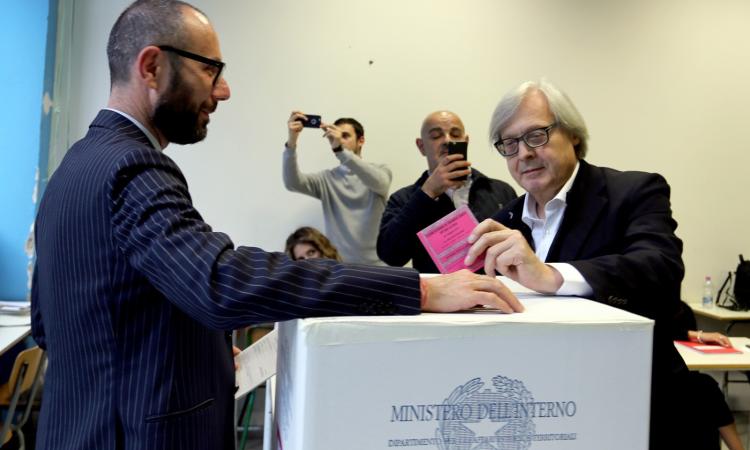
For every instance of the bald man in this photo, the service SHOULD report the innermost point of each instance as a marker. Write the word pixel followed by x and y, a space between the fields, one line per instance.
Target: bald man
pixel 448 183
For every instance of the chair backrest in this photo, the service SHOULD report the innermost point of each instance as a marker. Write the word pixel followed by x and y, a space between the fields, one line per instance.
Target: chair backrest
pixel 24 380
pixel 32 358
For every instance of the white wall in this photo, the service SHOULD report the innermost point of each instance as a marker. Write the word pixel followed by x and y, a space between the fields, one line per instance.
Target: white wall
pixel 662 85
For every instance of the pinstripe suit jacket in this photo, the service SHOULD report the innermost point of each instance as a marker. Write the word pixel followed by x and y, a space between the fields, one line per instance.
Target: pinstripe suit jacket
pixel 133 295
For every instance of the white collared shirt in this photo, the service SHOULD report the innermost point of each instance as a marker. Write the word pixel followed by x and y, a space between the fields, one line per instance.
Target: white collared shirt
pixel 151 138
pixel 543 232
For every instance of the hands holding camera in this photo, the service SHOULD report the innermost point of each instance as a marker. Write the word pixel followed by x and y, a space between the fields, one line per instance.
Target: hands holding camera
pixel 509 253
pixel 295 124
pixel 450 173
pixel 333 134
pixel 299 120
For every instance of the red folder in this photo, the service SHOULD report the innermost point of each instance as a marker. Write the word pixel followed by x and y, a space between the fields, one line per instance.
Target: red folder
pixel 708 348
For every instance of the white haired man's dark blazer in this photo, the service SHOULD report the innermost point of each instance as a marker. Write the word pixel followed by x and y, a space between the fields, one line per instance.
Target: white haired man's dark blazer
pixel 618 232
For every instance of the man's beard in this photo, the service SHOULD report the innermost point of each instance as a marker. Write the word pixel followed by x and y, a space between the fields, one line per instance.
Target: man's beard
pixel 174 117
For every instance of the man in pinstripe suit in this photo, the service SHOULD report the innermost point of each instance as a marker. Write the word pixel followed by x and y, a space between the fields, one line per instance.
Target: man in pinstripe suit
pixel 133 293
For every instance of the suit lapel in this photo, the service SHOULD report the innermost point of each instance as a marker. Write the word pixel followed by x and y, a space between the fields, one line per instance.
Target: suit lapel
pixel 511 216
pixel 586 201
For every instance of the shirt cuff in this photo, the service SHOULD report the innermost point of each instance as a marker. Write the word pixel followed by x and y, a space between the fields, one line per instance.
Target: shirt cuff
pixel 573 282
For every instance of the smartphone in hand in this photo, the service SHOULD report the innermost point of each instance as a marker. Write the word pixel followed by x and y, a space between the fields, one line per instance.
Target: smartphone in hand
pixel 461 148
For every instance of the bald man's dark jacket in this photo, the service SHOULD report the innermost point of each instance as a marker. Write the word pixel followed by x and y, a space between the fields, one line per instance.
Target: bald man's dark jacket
pixel 409 210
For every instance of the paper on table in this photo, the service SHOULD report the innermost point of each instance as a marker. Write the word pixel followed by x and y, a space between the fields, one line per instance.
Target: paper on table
pixel 257 363
pixel 14 307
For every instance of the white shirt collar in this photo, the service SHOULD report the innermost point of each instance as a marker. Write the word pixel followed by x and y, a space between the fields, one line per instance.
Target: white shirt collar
pixel 151 138
pixel 529 204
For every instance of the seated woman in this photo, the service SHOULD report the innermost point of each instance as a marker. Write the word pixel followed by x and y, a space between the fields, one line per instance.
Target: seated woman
pixel 708 401
pixel 309 243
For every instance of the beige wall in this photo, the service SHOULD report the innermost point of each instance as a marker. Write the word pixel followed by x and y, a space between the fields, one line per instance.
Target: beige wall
pixel 662 85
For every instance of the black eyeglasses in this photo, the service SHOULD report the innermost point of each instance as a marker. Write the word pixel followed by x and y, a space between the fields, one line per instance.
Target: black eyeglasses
pixel 533 139
pixel 219 65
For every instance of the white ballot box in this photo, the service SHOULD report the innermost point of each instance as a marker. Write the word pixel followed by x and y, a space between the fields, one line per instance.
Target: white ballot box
pixel 567 373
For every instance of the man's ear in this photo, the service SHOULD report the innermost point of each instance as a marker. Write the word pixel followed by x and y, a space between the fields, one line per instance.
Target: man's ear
pixel 420 146
pixel 361 141
pixel 150 65
pixel 467 138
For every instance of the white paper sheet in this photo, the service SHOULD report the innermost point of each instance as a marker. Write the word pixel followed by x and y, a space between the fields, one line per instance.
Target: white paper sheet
pixel 257 363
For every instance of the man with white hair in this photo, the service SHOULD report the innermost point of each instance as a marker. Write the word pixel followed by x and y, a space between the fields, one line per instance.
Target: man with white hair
pixel 588 231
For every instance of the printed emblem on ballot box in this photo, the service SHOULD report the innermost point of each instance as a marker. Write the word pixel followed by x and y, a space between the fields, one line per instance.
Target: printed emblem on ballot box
pixel 500 417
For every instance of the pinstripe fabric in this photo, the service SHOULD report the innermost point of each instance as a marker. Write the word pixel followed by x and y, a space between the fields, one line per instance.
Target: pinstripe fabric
pixel 133 291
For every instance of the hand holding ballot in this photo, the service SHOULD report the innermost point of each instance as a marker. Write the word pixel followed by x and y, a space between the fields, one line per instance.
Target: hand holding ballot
pixel 463 290
pixel 509 253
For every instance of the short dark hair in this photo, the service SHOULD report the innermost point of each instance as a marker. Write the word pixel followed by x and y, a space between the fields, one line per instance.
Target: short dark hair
pixel 359 130
pixel 310 235
pixel 144 23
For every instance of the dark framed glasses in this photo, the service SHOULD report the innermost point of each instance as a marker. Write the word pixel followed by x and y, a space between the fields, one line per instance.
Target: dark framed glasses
pixel 218 65
pixel 533 139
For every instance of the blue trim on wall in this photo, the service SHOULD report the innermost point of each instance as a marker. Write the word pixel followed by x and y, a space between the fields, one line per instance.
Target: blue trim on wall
pixel 49 88
pixel 23 33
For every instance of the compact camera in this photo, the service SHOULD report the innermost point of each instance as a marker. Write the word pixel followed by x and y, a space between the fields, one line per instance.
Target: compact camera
pixel 312 121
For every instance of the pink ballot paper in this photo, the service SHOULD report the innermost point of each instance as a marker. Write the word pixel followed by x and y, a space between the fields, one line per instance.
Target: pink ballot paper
pixel 445 241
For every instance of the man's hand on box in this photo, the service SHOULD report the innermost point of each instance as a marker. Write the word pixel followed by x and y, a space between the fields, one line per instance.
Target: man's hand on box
pixel 464 290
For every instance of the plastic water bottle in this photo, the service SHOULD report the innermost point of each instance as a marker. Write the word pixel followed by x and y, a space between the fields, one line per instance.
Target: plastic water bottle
pixel 708 293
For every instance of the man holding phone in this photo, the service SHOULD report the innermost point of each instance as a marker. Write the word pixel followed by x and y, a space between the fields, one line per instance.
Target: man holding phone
pixel 448 183
pixel 352 194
